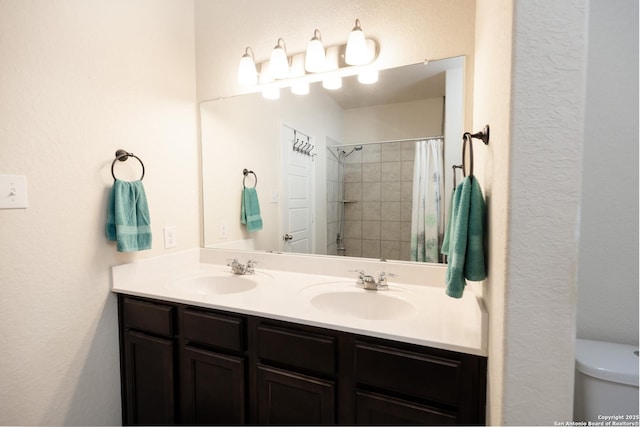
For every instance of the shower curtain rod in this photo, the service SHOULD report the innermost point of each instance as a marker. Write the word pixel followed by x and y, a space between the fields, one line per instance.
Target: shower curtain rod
pixel 389 141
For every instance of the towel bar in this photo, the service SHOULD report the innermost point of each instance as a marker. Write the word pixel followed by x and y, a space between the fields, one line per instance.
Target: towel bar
pixel 122 155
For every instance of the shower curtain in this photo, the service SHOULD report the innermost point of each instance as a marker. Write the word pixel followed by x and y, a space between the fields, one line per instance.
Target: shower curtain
pixel 427 214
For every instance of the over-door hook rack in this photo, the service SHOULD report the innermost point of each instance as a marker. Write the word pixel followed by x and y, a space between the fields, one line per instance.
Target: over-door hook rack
pixel 301 146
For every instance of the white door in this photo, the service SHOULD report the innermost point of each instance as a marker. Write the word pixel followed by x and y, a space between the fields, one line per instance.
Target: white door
pixel 297 193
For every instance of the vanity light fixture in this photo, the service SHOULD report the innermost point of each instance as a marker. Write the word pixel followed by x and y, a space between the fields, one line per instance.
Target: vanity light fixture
pixel 247 73
pixel 357 52
pixel 315 59
pixel 318 64
pixel 279 62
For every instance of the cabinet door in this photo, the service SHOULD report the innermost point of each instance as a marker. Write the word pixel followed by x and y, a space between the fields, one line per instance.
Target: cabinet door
pixel 149 379
pixel 288 398
pixel 212 388
pixel 375 409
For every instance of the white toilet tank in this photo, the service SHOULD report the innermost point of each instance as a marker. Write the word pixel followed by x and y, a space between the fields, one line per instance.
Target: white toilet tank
pixel 606 385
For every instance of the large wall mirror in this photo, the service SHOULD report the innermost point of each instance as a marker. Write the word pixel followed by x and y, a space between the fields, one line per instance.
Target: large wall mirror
pixel 361 171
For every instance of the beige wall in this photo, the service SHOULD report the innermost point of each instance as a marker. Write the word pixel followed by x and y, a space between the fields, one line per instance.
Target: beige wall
pixel 492 102
pixel 78 80
pixel 547 128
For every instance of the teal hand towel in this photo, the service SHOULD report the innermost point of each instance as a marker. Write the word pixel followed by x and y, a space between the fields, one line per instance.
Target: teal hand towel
pixel 466 237
pixel 474 263
pixel 447 232
pixel 250 210
pixel 128 220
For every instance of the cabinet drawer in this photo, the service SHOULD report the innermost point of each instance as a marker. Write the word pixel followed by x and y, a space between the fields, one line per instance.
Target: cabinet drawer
pixel 376 409
pixel 148 316
pixel 213 329
pixel 297 349
pixel 410 373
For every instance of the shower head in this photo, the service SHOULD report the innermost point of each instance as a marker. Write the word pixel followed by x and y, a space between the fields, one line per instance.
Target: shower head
pixel 356 148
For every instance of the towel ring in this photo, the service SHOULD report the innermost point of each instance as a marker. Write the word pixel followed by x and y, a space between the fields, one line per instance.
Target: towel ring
pixel 466 140
pixel 246 172
pixel 122 155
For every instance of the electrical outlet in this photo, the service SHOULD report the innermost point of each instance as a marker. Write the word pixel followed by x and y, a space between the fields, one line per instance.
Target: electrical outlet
pixel 223 229
pixel 170 238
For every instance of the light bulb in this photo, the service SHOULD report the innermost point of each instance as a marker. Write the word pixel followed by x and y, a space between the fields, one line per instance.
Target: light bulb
pixel 247 73
pixel 279 63
pixel 300 88
pixel 368 76
pixel 271 93
pixel 332 83
pixel 315 58
pixel 357 52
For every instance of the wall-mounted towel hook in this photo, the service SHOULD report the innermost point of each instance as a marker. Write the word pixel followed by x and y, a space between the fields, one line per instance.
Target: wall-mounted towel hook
pixel 123 155
pixel 246 172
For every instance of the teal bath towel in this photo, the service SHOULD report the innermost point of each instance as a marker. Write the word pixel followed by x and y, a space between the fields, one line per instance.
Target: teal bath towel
pixel 128 221
pixel 250 210
pixel 465 237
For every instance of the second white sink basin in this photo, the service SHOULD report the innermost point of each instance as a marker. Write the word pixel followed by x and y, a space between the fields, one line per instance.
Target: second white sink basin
pixel 347 300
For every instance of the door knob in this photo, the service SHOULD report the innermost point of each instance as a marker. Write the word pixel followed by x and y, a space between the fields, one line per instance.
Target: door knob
pixel 287 237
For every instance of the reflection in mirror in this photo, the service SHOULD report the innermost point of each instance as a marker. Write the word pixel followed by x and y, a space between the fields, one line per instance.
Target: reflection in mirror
pixel 351 172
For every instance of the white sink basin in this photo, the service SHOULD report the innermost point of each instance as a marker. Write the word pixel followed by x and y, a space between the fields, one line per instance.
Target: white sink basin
pixel 347 300
pixel 215 283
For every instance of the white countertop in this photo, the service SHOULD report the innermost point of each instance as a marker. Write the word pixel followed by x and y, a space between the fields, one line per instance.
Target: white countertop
pixel 423 314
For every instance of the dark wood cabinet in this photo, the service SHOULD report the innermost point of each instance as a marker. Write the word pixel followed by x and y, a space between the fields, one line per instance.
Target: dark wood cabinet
pixel 189 365
pixel 213 390
pixel 149 379
pixel 286 398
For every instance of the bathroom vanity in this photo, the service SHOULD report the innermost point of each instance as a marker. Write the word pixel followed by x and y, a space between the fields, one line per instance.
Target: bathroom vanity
pixel 231 358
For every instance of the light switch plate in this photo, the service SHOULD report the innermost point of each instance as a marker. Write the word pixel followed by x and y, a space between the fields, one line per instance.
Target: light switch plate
pixel 13 192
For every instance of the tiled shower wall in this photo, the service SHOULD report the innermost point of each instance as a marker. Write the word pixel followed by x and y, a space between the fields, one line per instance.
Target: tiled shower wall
pixel 378 188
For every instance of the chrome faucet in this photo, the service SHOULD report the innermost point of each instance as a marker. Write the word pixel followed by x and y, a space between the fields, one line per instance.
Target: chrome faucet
pixel 369 282
pixel 238 268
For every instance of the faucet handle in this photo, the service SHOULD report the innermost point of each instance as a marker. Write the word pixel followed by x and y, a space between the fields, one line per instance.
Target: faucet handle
pixel 250 265
pixel 360 276
pixel 382 280
pixel 231 261
pixel 382 275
